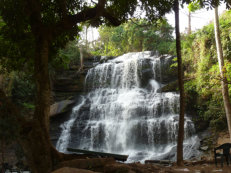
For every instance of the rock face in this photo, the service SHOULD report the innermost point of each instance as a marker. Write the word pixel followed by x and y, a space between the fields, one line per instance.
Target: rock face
pixel 170 87
pixel 68 83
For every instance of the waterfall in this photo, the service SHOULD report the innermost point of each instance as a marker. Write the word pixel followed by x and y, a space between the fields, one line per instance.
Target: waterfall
pixel 125 111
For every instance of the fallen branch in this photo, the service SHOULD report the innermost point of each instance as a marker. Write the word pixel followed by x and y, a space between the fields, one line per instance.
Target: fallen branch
pixel 115 156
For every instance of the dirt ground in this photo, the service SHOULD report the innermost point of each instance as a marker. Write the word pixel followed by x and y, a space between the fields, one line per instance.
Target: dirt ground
pixel 223 138
pixel 205 168
pixel 155 168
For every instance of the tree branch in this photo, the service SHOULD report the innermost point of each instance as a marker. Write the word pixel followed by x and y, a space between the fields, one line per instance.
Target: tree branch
pixel 101 4
pixel 140 25
pixel 113 20
pixel 70 21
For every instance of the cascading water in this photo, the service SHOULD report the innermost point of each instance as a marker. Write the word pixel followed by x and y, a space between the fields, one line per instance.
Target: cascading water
pixel 125 111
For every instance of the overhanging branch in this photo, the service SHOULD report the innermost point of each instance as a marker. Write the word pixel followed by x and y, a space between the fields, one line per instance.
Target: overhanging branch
pixel 70 21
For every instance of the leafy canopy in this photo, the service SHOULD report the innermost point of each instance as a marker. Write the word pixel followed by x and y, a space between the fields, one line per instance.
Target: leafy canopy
pixel 135 35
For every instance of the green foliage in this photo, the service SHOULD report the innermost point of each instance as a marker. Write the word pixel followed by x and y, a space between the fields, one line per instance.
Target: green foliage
pixel 20 87
pixel 69 54
pixel 23 88
pixel 15 48
pixel 29 106
pixel 136 35
pixel 194 5
pixel 203 90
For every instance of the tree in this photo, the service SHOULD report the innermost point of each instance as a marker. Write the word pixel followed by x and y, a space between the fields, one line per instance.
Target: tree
pixel 37 31
pixel 192 7
pixel 181 87
pixel 222 68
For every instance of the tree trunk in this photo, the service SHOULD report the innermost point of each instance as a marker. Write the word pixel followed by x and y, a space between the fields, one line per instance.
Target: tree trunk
pixel 36 141
pixel 224 83
pixel 81 58
pixel 33 132
pixel 181 87
pixel 189 23
pixel 86 41
pixel 40 154
pixel 2 154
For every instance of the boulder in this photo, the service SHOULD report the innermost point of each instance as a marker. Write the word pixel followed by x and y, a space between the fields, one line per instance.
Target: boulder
pixel 104 59
pixel 60 107
pixel 204 148
pixel 121 168
pixel 71 170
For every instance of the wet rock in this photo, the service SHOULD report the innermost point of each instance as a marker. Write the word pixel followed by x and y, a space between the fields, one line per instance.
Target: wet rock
pixel 104 59
pixel 60 107
pixel 204 148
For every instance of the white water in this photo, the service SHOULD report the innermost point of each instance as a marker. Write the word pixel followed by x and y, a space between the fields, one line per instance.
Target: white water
pixel 64 138
pixel 125 117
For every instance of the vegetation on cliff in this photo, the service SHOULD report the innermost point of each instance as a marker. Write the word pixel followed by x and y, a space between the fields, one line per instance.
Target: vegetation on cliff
pixel 203 88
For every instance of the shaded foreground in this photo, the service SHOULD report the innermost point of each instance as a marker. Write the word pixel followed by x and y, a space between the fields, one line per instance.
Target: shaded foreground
pixel 85 164
pixel 114 167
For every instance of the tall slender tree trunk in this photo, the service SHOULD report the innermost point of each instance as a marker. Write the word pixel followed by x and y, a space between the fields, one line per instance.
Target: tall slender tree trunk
pixel 189 23
pixel 86 41
pixel 81 58
pixel 224 83
pixel 181 87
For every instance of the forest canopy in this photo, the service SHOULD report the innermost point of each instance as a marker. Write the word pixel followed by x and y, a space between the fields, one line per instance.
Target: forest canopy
pixel 134 36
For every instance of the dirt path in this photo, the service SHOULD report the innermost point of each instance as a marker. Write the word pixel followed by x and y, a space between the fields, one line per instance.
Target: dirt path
pixel 199 169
